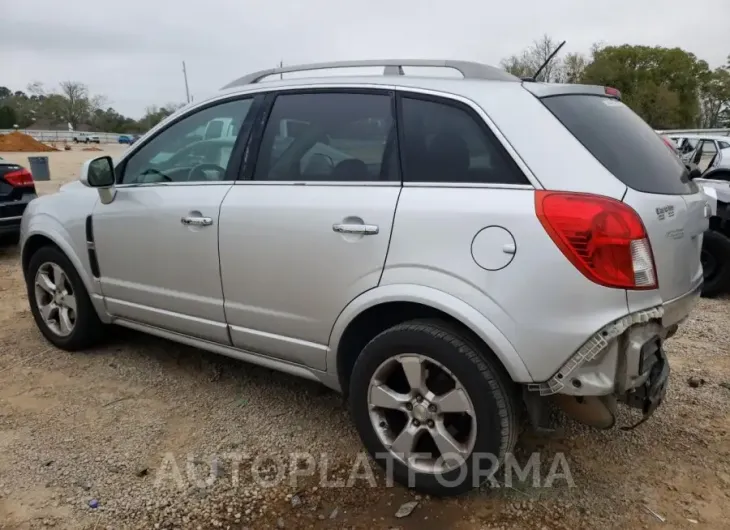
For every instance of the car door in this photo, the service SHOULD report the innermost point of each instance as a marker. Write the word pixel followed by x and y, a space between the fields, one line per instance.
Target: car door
pixel 705 155
pixel 157 241
pixel 308 228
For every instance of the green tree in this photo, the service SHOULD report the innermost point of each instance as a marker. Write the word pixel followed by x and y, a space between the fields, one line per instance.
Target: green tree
pixel 154 114
pixel 715 98
pixel 662 85
pixel 8 119
pixel 573 68
pixel 526 63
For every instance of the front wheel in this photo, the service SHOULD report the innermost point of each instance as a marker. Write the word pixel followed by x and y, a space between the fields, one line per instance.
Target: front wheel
pixel 431 408
pixel 715 258
pixel 59 302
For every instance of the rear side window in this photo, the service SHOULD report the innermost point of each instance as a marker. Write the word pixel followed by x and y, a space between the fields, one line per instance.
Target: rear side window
pixel 445 143
pixel 622 142
pixel 724 145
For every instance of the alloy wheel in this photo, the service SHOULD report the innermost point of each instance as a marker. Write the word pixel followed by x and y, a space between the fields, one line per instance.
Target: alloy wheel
pixel 421 413
pixel 55 299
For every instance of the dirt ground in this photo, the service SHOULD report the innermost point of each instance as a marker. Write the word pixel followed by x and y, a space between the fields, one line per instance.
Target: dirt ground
pixel 94 440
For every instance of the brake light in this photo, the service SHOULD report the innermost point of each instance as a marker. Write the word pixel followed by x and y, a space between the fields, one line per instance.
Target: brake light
pixel 603 238
pixel 19 178
pixel 613 92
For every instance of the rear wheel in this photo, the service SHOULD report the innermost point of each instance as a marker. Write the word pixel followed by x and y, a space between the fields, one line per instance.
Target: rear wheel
pixel 433 410
pixel 715 263
pixel 59 302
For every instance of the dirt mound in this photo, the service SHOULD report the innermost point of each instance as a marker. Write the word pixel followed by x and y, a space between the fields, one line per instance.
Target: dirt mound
pixel 91 149
pixel 17 141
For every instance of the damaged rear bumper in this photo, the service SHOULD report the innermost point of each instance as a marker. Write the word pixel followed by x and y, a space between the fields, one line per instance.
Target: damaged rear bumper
pixel 622 362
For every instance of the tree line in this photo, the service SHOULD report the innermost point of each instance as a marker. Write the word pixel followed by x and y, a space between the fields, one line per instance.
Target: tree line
pixel 72 103
pixel 669 87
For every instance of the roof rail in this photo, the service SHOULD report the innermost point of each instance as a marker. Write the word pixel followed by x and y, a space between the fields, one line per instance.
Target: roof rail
pixel 470 70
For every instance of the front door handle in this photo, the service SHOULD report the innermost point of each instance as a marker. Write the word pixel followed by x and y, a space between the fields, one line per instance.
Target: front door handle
pixel 354 228
pixel 196 221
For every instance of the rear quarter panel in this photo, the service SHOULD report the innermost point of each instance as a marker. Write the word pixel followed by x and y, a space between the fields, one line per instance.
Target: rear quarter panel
pixel 539 301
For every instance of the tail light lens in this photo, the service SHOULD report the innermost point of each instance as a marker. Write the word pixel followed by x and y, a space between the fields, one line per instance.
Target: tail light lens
pixel 19 178
pixel 603 238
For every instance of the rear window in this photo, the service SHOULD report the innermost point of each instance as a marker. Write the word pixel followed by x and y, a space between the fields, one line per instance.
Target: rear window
pixel 622 142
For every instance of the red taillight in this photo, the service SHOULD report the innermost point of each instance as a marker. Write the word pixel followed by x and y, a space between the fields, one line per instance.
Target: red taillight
pixel 19 178
pixel 604 238
pixel 614 92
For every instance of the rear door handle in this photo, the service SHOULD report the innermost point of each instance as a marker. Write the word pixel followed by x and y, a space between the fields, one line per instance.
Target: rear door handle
pixel 353 228
pixel 196 221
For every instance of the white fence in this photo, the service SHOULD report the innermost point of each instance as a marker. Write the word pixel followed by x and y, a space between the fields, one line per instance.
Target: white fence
pixel 707 132
pixel 64 136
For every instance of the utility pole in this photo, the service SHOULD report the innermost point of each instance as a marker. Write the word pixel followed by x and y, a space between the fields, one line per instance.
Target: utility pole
pixel 281 65
pixel 187 90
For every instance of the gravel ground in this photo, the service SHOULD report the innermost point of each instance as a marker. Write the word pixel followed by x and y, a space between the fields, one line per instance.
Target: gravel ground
pixel 157 435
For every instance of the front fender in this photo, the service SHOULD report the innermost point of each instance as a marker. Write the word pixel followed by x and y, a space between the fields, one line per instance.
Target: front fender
pixel 41 224
pixel 436 299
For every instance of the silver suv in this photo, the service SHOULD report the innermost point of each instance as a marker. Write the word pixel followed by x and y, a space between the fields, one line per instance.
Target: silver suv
pixel 448 252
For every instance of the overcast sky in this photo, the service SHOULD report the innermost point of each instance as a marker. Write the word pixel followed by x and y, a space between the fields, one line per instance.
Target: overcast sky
pixel 131 50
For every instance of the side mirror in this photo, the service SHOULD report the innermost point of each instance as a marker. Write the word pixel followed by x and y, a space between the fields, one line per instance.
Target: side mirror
pixel 99 173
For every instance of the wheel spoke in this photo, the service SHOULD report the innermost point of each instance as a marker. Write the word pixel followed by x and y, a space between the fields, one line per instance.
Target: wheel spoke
pixel 69 301
pixel 415 374
pixel 405 442
pixel 45 283
pixel 64 321
pixel 387 398
pixel 453 401
pixel 447 445
pixel 59 277
pixel 46 310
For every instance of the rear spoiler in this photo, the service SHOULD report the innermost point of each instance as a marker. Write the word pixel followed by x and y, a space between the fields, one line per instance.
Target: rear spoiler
pixel 546 90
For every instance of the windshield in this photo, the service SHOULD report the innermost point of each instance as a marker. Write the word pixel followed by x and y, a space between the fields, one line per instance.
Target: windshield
pixel 622 142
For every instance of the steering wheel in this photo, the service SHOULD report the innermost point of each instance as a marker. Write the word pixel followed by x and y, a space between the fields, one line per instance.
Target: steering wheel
pixel 198 172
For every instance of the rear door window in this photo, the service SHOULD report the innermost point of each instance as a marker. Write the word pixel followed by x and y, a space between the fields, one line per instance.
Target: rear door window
pixel 329 136
pixel 622 142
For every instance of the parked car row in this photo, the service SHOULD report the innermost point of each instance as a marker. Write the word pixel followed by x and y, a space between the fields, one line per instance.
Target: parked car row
pixel 411 242
pixel 708 158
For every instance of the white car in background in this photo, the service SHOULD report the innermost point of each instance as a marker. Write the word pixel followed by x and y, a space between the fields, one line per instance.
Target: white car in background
pixel 707 152
pixel 84 138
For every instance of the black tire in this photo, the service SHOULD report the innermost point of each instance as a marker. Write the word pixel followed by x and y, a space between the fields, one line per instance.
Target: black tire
pixel 484 380
pixel 716 263
pixel 88 329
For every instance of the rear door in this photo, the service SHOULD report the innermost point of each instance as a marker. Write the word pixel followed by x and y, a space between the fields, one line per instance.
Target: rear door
pixel 671 206
pixel 307 230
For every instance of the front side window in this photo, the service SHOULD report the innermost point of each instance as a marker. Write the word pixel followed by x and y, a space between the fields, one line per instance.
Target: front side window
pixel 443 142
pixel 194 149
pixel 328 136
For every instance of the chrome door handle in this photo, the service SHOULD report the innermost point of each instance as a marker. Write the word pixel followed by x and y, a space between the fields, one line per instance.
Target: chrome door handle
pixel 196 221
pixel 352 228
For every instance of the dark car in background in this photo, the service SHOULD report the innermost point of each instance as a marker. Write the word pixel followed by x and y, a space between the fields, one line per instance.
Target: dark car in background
pixel 17 189
pixel 125 139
